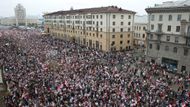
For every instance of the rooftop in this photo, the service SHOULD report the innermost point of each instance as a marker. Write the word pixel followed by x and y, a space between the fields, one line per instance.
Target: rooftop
pixel 170 6
pixel 180 3
pixel 108 9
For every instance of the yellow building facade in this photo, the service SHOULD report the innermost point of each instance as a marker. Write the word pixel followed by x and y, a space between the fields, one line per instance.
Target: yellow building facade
pixel 105 28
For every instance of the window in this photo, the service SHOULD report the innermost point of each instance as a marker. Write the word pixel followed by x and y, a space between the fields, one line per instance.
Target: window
pixel 144 28
pixel 129 17
pixel 101 23
pixel 113 23
pixel 100 16
pixel 113 36
pixel 121 42
pixel 143 35
pixel 175 50
pixel 121 36
pixel 113 43
pixel 158 47
pixel 129 23
pixel 128 41
pixel 176 39
pixel 152 17
pixel 189 18
pixel 121 23
pixel 121 48
pixel 101 36
pixel 152 27
pixel 96 16
pixel 150 46
pixel 177 28
pixel 129 29
pixel 100 47
pixel 128 35
pixel 151 36
pixel 179 17
pixel 121 30
pixel 100 29
pixel 122 17
pixel 169 28
pixel 113 16
pixel 160 17
pixel 186 52
pixel 168 38
pixel 93 16
pixel 97 23
pixel 113 30
pixel 159 27
pixel 170 17
pixel 166 48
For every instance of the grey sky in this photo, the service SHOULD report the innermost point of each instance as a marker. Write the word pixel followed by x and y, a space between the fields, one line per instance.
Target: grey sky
pixel 37 7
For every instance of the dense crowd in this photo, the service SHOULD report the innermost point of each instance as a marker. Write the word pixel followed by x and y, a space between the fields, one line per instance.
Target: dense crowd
pixel 41 71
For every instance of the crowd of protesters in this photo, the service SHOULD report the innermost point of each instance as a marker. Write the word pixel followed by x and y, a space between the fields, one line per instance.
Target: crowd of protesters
pixel 41 71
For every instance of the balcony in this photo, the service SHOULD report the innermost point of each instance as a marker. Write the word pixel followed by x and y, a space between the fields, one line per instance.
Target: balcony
pixel 159 32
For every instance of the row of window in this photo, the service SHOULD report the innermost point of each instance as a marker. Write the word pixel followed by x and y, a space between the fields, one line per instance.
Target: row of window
pixel 121 48
pixel 121 17
pixel 121 29
pixel 90 22
pixel 167 48
pixel 88 34
pixel 167 38
pixel 139 28
pixel 121 36
pixel 89 28
pixel 78 27
pixel 87 17
pixel 138 35
pixel 121 42
pixel 122 23
pixel 170 17
pixel 178 28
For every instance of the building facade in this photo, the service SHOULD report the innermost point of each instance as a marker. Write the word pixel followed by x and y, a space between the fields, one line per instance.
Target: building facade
pixel 11 21
pixel 169 35
pixel 8 21
pixel 105 28
pixel 20 15
pixel 140 27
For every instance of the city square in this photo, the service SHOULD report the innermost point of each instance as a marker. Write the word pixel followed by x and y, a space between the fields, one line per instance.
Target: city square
pixel 96 57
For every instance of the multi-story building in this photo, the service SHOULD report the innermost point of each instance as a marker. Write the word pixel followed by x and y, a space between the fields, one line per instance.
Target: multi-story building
pixel 140 26
pixel 31 22
pixel 105 28
pixel 8 21
pixel 169 34
pixel 20 15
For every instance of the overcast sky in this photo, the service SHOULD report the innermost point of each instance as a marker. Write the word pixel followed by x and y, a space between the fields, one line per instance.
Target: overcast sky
pixel 38 7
